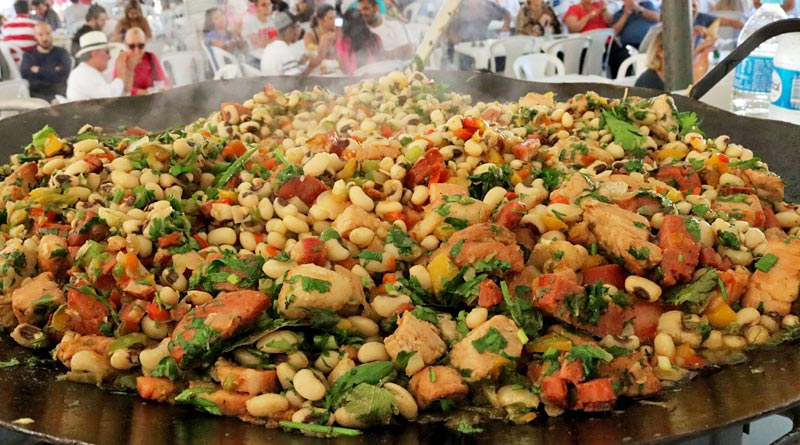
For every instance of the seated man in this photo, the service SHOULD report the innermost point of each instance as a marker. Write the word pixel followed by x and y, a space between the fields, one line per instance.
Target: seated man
pixel 257 28
pixel 394 37
pixel 631 23
pixel 46 67
pixel 96 18
pixel 86 81
pixel 277 59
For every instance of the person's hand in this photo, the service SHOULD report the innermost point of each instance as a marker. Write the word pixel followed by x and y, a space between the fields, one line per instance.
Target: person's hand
pixel 133 59
pixel 699 30
pixel 34 69
pixel 545 20
pixel 705 45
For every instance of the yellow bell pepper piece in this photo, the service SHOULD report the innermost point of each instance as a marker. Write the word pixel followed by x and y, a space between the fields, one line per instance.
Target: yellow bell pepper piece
pixel 720 314
pixel 676 152
pixel 348 170
pixel 547 341
pixel 229 194
pixel 441 269
pixel 494 157
pixel 53 145
pixel 551 222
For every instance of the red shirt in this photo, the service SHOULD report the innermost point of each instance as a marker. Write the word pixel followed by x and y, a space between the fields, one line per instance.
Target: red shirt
pixel 595 22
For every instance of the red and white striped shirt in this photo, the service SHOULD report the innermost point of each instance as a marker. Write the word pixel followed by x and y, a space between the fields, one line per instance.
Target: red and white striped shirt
pixel 19 31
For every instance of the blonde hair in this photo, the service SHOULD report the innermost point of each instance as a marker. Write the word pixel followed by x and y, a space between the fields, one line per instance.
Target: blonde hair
pixel 655 61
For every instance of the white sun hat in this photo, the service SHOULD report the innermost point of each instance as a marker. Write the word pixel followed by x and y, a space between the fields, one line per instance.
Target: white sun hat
pixel 94 40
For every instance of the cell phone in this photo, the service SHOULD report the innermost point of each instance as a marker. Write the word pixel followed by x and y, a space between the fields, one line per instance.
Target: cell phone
pixel 338 22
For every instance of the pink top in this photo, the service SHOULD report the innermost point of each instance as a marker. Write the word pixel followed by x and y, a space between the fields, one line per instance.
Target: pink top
pixel 595 22
pixel 348 56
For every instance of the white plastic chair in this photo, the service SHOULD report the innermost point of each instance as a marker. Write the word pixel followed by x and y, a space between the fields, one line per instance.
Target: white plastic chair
pixel 228 71
pixel 250 71
pixel 596 61
pixel 538 66
pixel 637 61
pixel 218 57
pixel 571 49
pixel 9 68
pixel 184 67
pixel 513 48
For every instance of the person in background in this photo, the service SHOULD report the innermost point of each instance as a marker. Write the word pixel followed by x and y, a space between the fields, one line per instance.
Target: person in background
pixel 701 22
pixel 788 6
pixel 320 40
pixel 732 5
pixel 44 13
pixel 19 29
pixel 46 67
pixel 394 38
pixel 653 77
pixel 304 10
pixel 86 81
pixel 631 24
pixel 74 15
pixel 148 75
pixel 217 34
pixel 536 17
pixel 471 23
pixel 278 59
pixel 512 6
pixel 96 18
pixel 587 16
pixel 258 28
pixel 358 45
pixel 133 19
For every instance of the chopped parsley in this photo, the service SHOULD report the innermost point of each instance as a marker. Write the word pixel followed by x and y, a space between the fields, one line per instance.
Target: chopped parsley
pixel 310 284
pixel 588 354
pixel 493 342
pixel 639 254
pixel 401 240
pixel 692 227
pixel 729 239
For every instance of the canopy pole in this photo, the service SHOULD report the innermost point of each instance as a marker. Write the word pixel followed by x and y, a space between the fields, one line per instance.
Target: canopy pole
pixel 677 18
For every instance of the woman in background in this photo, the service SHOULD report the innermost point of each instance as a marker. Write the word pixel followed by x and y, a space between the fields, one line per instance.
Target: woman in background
pixel 217 34
pixel 357 46
pixel 320 40
pixel 536 17
pixel 133 19
pixel 653 77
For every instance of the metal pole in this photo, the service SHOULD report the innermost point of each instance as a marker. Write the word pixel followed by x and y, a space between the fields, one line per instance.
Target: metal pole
pixel 677 18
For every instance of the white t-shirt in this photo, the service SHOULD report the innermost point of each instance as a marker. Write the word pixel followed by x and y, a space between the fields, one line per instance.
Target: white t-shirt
pixel 392 33
pixel 251 24
pixel 278 59
pixel 74 16
pixel 85 82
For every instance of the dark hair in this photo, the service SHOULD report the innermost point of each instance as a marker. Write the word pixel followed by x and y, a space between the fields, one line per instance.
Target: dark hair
pixel 321 12
pixel 374 2
pixel 133 4
pixel 209 25
pixel 94 12
pixel 362 39
pixel 280 6
pixel 21 7
pixel 37 2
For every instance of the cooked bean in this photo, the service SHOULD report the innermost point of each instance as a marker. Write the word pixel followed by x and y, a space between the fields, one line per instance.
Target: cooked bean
pixel 372 352
pixel 308 385
pixel 267 405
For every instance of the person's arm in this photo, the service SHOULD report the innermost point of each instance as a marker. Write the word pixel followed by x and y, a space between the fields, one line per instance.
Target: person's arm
pixel 619 24
pixel 575 24
pixel 734 23
pixel 116 36
pixel 27 68
pixel 146 28
pixel 650 13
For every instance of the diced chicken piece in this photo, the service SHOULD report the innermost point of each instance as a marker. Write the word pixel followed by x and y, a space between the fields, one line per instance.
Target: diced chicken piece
pixel 665 118
pixel 580 234
pixel 437 192
pixel 415 335
pixel 497 340
pixel 19 183
pixel 377 150
pixel 18 262
pixel 159 389
pixel 680 248
pixel 531 100
pixel 482 240
pixel 36 298
pixel 768 185
pixel 558 255
pixel 570 189
pixel 741 206
pixel 777 288
pixel 354 217
pixel 634 373
pixel 73 343
pixel 246 380
pixel 437 382
pixel 622 234
pixel 311 286
pixel 53 254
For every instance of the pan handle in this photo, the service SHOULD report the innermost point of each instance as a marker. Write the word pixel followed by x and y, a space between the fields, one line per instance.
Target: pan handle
pixel 740 53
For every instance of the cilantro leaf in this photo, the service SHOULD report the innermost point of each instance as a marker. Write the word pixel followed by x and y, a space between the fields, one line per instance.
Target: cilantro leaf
pixel 493 342
pixel 689 123
pixel 624 133
pixel 695 295
pixel 588 354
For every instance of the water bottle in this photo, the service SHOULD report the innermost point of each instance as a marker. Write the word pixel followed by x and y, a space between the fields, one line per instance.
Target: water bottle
pixel 785 95
pixel 753 78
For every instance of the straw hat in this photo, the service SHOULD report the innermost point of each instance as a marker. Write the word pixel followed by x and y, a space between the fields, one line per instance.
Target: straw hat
pixel 94 40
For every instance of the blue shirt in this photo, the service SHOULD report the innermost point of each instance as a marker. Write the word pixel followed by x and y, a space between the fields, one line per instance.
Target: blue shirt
pixel 704 20
pixel 636 27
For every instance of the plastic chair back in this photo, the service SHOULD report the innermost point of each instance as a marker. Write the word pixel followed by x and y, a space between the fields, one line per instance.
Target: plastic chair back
pixel 228 71
pixel 8 67
pixel 638 62
pixel 513 47
pixel 596 61
pixel 571 50
pixel 537 66
pixel 183 67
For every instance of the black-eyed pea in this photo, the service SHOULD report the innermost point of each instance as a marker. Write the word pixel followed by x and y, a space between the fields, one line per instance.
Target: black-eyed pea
pixel 345 364
pixel 198 297
pixel 405 403
pixel 364 326
pixel 308 386
pixel 89 362
pixel 756 335
pixel 790 321
pixel 476 317
pixel 430 243
pixel 362 236
pixel 222 235
pixel 267 405
pixel 747 316
pixel 734 341
pixel 295 399
pixel 154 329
pixel 347 419
pixel 372 352
pixel 168 296
pixel 671 323
pixel 664 345
pixel 276 240
pixel 359 198
pixel 285 373
pixel 692 338
pixel 124 359
pixel 327 360
pixel 385 305
pixel 298 359
pixel 615 150
pixel 511 395
pixel 29 336
pixel 642 288
pixel 244 357
pixel 769 323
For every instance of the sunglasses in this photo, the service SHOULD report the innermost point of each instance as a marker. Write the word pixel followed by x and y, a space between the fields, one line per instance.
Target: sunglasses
pixel 136 45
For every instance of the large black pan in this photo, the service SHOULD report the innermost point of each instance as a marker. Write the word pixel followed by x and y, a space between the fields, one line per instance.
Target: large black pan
pixel 68 413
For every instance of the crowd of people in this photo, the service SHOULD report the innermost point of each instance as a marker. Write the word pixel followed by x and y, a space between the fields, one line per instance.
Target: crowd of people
pixel 110 59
